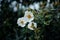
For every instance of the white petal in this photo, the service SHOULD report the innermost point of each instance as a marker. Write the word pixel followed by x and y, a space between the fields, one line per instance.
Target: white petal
pixel 13 3
pixel 48 0
pixel 29 13
pixel 15 9
pixel 47 5
pixel 30 24
pixel 19 22
pixel 20 5
pixel 36 6
pixel 31 6
pixel 23 7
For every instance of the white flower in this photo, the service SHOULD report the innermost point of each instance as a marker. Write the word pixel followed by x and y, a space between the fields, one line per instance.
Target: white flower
pixel 29 16
pixel 48 0
pixel 36 6
pixel 49 6
pixel 32 25
pixel 13 4
pixel 41 3
pixel 15 9
pixel 21 22
pixel 23 7
pixel 31 6
pixel 20 5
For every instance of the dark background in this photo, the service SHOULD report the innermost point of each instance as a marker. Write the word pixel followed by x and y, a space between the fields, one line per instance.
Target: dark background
pixel 9 28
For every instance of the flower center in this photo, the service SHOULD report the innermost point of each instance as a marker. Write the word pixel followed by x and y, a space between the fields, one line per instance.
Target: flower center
pixel 22 22
pixel 32 25
pixel 29 16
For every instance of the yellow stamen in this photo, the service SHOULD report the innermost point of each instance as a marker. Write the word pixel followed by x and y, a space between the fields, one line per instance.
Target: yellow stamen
pixel 32 26
pixel 29 16
pixel 22 22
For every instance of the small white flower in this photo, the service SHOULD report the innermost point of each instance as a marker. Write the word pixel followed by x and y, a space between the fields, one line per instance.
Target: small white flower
pixel 36 6
pixel 23 7
pixel 21 22
pixel 29 16
pixel 31 6
pixel 52 5
pixel 13 4
pixel 20 5
pixel 41 3
pixel 48 0
pixel 32 25
pixel 15 9
pixel 47 5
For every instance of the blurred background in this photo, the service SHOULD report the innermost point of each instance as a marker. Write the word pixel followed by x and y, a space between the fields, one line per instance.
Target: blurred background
pixel 11 10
